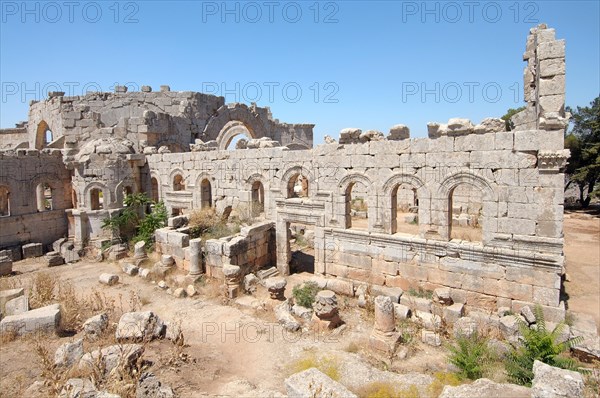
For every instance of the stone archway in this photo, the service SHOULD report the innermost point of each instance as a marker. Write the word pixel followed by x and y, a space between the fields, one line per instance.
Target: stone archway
pixel 231 130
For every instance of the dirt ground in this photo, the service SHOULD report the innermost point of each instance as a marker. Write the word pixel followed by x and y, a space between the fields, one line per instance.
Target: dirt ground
pixel 238 349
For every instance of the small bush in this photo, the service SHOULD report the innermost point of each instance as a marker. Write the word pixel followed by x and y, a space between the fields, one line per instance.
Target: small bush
pixel 305 294
pixel 207 224
pixel 470 354
pixel 538 344
pixel 326 364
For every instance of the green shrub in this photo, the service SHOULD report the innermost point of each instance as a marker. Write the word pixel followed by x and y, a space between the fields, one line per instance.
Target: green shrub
pixel 133 217
pixel 538 344
pixel 470 354
pixel 305 294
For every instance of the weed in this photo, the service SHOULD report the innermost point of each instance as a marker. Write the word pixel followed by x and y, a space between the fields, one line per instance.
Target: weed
pixel 382 389
pixel 538 344
pixel 420 292
pixel 326 364
pixel 305 294
pixel 441 379
pixel 470 354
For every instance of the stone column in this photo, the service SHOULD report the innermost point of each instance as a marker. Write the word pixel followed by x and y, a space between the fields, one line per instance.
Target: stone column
pixel 384 337
pixel 283 248
pixel 384 314
pixel 232 275
pixel 195 257
pixel 276 287
pixel 139 253
pixel 326 313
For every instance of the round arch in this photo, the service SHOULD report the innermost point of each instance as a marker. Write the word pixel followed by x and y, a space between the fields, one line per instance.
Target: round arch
pixel 296 171
pixel 231 130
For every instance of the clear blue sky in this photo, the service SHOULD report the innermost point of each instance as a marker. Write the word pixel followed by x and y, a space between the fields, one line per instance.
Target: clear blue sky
pixel 365 64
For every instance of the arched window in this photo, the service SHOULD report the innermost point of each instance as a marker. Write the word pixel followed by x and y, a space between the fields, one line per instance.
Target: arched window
pixel 4 201
pixel 44 135
pixel 205 194
pixel 154 189
pixel 178 183
pixel 297 186
pixel 96 199
pixel 465 216
pixel 405 209
pixel 44 197
pixel 258 198
pixel 127 190
pixel 357 207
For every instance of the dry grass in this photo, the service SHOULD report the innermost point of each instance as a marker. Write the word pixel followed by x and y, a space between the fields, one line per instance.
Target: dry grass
pixel 43 290
pixel 381 389
pixel 442 379
pixel 326 364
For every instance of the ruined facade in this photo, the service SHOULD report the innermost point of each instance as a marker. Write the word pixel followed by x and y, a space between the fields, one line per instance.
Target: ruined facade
pixel 173 146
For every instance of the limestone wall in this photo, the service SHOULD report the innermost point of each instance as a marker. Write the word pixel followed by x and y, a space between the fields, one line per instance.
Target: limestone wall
pixel 252 250
pixel 154 119
pixel 31 214
pixel 13 138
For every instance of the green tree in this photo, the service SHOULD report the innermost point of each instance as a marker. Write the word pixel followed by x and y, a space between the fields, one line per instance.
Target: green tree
pixel 584 142
pixel 510 113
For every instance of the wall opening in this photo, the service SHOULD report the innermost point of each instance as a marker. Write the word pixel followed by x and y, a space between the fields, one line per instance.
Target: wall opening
pixel 4 201
pixel 96 199
pixel 357 207
pixel 154 189
pixel 258 199
pixel 44 135
pixel 176 211
pixel 205 194
pixel 405 210
pixel 44 197
pixel 465 213
pixel 178 183
pixel 297 186
pixel 238 142
pixel 301 244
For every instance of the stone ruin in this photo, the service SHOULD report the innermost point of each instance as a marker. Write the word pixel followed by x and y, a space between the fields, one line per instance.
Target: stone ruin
pixel 71 164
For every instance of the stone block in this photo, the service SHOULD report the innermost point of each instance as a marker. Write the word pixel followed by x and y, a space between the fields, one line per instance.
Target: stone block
pixel 45 319
pixel 33 250
pixel 139 325
pixel 314 383
pixel 485 388
pixel 17 306
pixel 68 354
pixel 7 295
pixel 427 320
pixel 431 338
pixel 5 266
pixel 416 303
pixel 401 311
pixel 108 279
pixel 394 293
pixel 551 382
pixel 453 313
pixel 551 49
